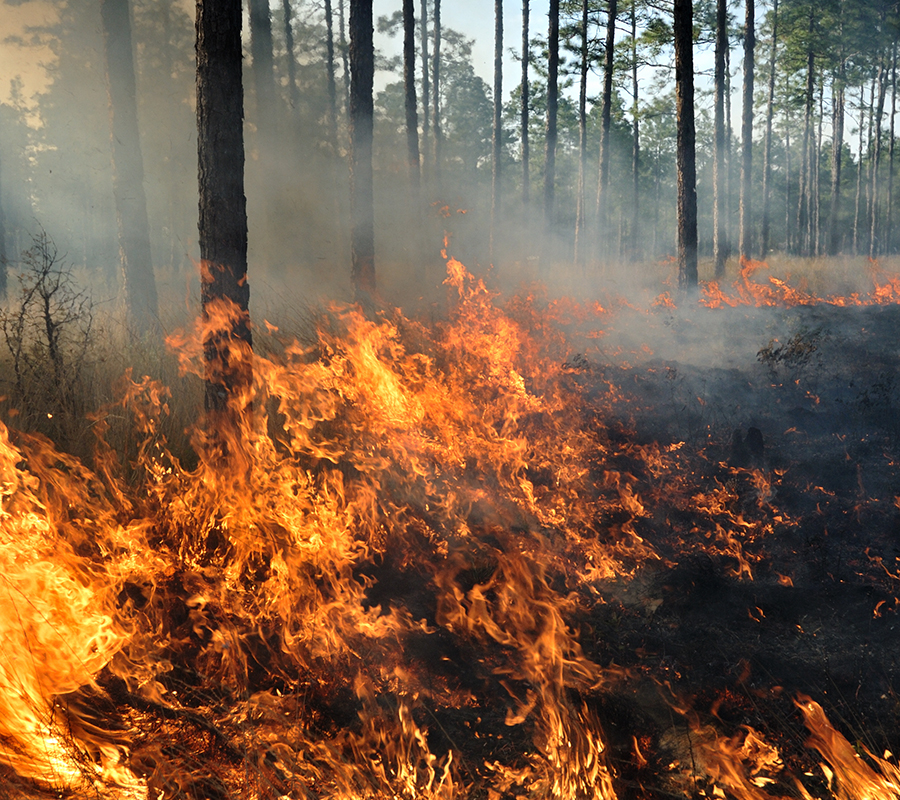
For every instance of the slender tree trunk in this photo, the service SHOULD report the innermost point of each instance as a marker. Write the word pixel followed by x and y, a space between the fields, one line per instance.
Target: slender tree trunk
pixel 816 173
pixel 876 160
pixel 605 116
pixel 552 110
pixel 788 205
pixel 345 57
pixel 889 216
pixel 729 138
pixel 497 129
pixel 747 131
pixel 720 206
pixel 362 198
pixel 436 84
pixel 635 141
pixel 767 147
pixel 426 88
pixel 837 149
pixel 857 209
pixel 805 176
pixel 128 170
pixel 288 14
pixel 683 29
pixel 409 78
pixel 580 244
pixel 329 74
pixel 263 64
pixel 4 253
pixel 524 109
pixel 224 292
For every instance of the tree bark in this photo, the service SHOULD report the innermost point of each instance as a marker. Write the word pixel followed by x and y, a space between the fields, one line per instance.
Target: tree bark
pixel 720 208
pixel 876 160
pixel 345 56
pixel 497 130
pixel 767 147
pixel 293 93
pixel 128 170
pixel 803 205
pixel 330 76
pixel 837 148
pixel 436 85
pixel 362 196
pixel 635 140
pixel 224 292
pixel 747 131
pixel 683 29
pixel 605 116
pixel 263 64
pixel 859 168
pixel 552 110
pixel 889 215
pixel 524 108
pixel 426 87
pixel 409 78
pixel 580 244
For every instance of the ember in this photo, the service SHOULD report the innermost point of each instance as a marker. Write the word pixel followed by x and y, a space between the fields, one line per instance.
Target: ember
pixel 485 558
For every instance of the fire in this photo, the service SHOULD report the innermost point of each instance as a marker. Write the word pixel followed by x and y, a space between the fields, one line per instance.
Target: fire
pixel 389 588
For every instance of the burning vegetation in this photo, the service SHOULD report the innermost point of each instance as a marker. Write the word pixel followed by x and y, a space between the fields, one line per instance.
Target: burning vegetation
pixel 508 554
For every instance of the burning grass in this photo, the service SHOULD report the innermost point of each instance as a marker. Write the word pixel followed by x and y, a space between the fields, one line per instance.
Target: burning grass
pixel 496 556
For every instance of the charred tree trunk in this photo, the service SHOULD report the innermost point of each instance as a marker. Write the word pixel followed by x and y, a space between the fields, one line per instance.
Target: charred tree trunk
pixel 580 245
pixel 552 109
pixel 747 131
pixel 293 93
pixel 362 197
pixel 524 108
pixel 224 292
pixel 436 85
pixel 409 79
pixel 889 215
pixel 814 166
pixel 497 129
pixel 837 148
pixel 767 147
pixel 605 116
pixel 683 29
pixel 128 170
pixel 263 65
pixel 635 140
pixel 345 57
pixel 803 206
pixel 876 160
pixel 330 75
pixel 426 88
pixel 857 209
pixel 720 208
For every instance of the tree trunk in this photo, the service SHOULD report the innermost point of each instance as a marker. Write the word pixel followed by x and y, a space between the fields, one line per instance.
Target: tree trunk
pixel 747 131
pixel 426 88
pixel 224 292
pixel 128 170
pixel 362 198
pixel 605 115
pixel 767 147
pixel 552 108
pixel 889 216
pixel 729 137
pixel 876 160
pixel 837 149
pixel 580 244
pixel 409 78
pixel 436 85
pixel 803 208
pixel 497 129
pixel 635 141
pixel 293 93
pixel 815 162
pixel 345 57
pixel 263 65
pixel 683 29
pixel 720 207
pixel 524 110
pixel 330 76
pixel 859 169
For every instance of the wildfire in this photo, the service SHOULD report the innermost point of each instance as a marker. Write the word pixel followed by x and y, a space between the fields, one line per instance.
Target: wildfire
pixel 390 586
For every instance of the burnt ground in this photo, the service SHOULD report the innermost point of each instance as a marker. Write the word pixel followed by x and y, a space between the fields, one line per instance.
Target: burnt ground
pixel 807 398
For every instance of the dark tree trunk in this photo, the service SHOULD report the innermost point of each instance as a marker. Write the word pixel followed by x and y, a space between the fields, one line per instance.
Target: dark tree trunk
pixel 552 109
pixel 409 78
pixel 815 161
pixel 128 170
pixel 720 208
pixel 683 29
pixel 857 208
pixel 263 64
pixel 497 130
pixel 436 85
pixel 4 255
pixel 889 216
pixel 580 243
pixel 293 93
pixel 747 131
pixel 876 160
pixel 345 57
pixel 837 140
pixel 803 205
pixel 605 116
pixel 224 292
pixel 524 109
pixel 362 197
pixel 426 87
pixel 329 75
pixel 767 147
pixel 635 140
